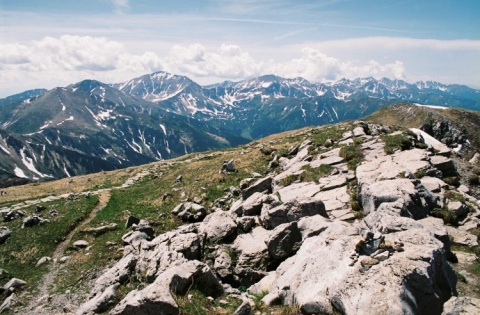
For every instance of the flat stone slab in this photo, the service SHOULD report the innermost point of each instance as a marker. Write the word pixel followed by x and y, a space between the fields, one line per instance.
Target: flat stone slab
pixel 343 215
pixel 294 191
pixel 334 199
pixel 331 182
pixel 462 237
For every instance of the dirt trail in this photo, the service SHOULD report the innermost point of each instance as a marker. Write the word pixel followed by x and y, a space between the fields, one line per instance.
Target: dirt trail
pixel 48 280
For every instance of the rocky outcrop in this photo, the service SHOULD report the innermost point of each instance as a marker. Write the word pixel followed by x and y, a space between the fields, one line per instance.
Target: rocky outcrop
pixel 306 242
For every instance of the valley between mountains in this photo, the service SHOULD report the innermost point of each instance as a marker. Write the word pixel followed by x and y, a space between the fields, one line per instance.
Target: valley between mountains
pixel 372 216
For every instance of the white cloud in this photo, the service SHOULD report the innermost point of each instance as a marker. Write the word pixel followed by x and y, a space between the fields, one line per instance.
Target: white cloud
pixel 14 54
pixel 59 61
pixel 228 62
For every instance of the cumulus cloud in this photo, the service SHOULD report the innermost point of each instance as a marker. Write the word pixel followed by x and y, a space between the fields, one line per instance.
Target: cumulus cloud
pixel 229 61
pixel 316 66
pixel 14 54
pixel 60 61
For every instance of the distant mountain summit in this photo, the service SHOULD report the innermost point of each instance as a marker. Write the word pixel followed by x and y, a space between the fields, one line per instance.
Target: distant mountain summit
pixel 91 126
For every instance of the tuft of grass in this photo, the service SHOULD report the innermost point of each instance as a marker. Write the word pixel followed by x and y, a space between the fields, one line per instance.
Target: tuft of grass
pixel 448 216
pixel 352 154
pixel 287 181
pixel 455 196
pixel 313 174
pixel 452 180
pixel 320 136
pixel 397 142
pixel 420 173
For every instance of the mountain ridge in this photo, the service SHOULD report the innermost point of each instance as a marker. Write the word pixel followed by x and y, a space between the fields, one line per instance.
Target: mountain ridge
pixel 162 115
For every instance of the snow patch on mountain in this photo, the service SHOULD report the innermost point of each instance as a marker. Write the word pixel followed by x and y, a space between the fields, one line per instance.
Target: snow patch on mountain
pixel 19 172
pixel 28 162
pixel 164 129
pixel 431 106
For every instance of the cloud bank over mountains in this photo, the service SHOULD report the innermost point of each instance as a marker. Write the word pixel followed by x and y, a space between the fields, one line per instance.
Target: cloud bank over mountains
pixel 54 61
pixel 57 61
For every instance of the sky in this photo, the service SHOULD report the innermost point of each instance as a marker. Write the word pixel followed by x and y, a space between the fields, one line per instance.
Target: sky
pixel 45 44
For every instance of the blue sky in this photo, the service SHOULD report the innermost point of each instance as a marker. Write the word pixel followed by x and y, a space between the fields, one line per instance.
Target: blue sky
pixel 58 42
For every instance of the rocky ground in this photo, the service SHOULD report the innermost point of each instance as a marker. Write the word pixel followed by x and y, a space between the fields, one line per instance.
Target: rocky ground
pixel 371 222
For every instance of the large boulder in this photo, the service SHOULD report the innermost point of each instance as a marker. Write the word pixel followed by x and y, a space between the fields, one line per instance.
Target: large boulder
pixel 190 212
pixel 261 185
pixel 33 220
pixel 253 204
pixel 284 241
pixel 416 281
pixel 292 210
pixel 218 225
pixel 119 273
pixel 416 200
pixel 157 297
pixel 99 303
pixel 251 247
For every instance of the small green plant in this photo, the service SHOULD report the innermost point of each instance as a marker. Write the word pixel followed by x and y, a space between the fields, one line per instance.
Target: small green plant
pixel 421 145
pixel 267 150
pixel 446 215
pixel 453 195
pixel 320 136
pixel 352 154
pixel 397 142
pixel 452 180
pixel 461 277
pixel 420 173
pixel 287 181
pixel 282 152
pixel 311 174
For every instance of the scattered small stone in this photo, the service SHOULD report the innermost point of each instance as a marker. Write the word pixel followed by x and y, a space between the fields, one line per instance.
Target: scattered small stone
pixel 39 208
pixel 4 234
pixel 166 196
pixel 131 221
pixel 33 220
pixel 43 260
pixel 179 179
pixel 64 259
pixel 227 167
pixel 369 261
pixel 14 283
pixel 80 244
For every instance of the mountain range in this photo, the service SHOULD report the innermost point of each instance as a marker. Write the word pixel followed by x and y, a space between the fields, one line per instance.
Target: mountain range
pixel 92 126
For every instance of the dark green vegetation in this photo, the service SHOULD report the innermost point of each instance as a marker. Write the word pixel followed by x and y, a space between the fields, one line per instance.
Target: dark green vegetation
pixel 25 247
pixel 398 142
pixel 352 154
